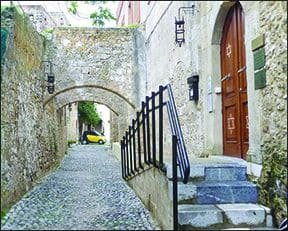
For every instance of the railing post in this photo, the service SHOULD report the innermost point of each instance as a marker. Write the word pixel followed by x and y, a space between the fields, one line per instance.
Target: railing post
pixel 130 150
pixel 148 130
pixel 144 132
pixel 175 190
pixel 134 147
pixel 138 140
pixel 160 126
pixel 127 153
pixel 122 159
pixel 153 130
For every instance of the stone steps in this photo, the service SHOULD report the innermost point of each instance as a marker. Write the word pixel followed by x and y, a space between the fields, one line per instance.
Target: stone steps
pixel 215 192
pixel 223 216
pixel 218 196
pixel 226 192
pixel 213 172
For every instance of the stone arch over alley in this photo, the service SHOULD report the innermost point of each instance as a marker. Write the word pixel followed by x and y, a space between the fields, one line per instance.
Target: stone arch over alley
pixel 99 65
pixel 121 108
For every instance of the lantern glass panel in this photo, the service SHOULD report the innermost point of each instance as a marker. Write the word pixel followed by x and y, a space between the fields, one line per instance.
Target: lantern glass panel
pixel 51 78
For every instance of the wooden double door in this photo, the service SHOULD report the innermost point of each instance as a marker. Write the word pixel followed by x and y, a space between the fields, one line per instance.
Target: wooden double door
pixel 234 85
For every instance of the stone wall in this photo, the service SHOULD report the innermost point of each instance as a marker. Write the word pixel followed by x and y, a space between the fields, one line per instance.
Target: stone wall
pixel 31 136
pixel 102 58
pixel 151 186
pixel 273 104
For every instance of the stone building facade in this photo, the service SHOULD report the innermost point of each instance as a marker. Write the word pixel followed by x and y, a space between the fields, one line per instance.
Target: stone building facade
pixel 263 45
pixel 42 19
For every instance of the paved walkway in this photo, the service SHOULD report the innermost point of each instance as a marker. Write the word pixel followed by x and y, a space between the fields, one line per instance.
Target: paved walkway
pixel 86 192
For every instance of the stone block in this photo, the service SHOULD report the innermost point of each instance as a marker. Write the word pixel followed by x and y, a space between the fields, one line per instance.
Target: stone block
pixel 195 172
pixel 199 216
pixel 226 192
pixel 225 173
pixel 269 221
pixel 185 191
pixel 243 214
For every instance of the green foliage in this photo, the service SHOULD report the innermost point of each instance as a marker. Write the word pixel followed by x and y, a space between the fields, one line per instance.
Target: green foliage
pixel 99 16
pixel 71 142
pixel 73 7
pixel 3 213
pixel 47 33
pixel 4 35
pixel 88 113
pixel 273 180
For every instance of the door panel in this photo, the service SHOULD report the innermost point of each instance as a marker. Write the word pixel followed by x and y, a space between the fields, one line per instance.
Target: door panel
pixel 234 85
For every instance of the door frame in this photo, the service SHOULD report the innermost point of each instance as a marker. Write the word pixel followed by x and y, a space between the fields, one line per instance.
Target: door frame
pixel 232 104
pixel 215 64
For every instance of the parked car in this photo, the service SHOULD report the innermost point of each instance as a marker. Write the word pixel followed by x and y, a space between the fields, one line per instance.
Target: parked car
pixel 92 137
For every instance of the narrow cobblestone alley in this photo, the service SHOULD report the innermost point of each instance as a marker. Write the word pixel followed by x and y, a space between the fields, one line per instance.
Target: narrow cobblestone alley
pixel 86 192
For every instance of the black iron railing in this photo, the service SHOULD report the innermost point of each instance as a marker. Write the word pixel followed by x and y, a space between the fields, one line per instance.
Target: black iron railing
pixel 142 134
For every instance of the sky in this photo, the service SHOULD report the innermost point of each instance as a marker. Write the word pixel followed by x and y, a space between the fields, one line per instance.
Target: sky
pixel 84 10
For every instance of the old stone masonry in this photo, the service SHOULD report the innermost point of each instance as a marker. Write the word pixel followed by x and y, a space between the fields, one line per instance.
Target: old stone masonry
pixel 86 192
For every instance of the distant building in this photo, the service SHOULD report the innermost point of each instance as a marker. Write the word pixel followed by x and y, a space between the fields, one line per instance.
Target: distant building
pixel 43 19
pixel 128 12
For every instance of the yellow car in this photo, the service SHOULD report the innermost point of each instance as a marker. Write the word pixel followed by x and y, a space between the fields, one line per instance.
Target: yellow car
pixel 92 137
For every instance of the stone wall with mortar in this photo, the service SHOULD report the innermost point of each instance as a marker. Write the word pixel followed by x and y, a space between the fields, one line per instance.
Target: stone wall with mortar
pixel 31 136
pixel 273 104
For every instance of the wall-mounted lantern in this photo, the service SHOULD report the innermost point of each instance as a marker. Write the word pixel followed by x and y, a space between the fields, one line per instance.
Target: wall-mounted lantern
pixel 50 79
pixel 193 83
pixel 179 31
pixel 179 25
pixel 50 89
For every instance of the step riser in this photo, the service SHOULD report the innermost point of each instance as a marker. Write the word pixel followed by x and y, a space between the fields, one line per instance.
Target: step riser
pixel 223 195
pixel 214 194
pixel 212 217
pixel 213 173
pixel 225 174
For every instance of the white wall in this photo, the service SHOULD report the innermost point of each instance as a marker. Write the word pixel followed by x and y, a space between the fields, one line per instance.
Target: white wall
pixel 104 113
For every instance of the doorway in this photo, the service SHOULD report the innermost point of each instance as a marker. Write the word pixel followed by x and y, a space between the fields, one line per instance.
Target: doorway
pixel 234 85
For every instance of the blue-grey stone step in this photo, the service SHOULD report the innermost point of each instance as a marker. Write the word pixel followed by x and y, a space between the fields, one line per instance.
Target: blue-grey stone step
pixel 221 216
pixel 214 168
pixel 186 192
pixel 215 172
pixel 226 192
pixel 225 173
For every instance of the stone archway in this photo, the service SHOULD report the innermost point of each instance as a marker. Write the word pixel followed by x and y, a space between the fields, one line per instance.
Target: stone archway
pixel 88 57
pixel 98 65
pixel 122 109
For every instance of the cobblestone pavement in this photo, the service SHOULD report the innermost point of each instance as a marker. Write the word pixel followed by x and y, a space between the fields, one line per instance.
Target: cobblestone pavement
pixel 86 192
